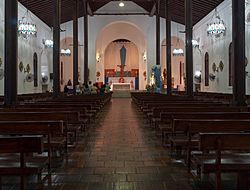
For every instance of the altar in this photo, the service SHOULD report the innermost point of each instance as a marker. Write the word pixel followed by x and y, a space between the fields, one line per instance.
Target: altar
pixel 120 87
pixel 129 83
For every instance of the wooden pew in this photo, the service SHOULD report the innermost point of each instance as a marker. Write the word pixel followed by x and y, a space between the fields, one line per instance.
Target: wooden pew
pixel 46 128
pixel 219 162
pixel 83 120
pixel 83 109
pixel 155 116
pixel 68 117
pixel 167 118
pixel 185 131
pixel 22 145
pixel 150 106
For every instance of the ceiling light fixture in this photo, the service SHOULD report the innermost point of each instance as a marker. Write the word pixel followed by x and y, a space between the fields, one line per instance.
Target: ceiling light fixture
pixel 178 52
pixel 121 4
pixel 65 52
pixel 26 27
pixel 216 28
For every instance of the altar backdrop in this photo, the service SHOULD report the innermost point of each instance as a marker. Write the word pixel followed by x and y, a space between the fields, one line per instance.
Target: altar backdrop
pixel 112 56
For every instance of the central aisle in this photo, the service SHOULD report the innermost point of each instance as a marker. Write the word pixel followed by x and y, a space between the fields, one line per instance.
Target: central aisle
pixel 121 152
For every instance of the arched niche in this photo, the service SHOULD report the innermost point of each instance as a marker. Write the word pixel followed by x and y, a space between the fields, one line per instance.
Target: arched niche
pixel 177 62
pixel 35 69
pixel 112 62
pixel 230 64
pixel 206 69
pixel 66 62
pixel 121 30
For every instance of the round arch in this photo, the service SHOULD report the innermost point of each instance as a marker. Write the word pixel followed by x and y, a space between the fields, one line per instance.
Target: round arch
pixel 66 62
pixel 121 30
pixel 177 62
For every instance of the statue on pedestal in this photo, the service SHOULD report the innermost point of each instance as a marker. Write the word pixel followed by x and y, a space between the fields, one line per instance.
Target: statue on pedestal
pixel 123 60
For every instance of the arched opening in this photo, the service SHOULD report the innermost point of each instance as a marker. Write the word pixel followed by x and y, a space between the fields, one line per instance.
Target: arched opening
pixel 35 67
pixel 206 69
pixel 177 63
pixel 113 63
pixel 129 32
pixel 230 70
pixel 66 61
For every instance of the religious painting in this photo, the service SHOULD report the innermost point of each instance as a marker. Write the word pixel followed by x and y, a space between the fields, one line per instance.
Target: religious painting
pixel 206 69
pixel 35 67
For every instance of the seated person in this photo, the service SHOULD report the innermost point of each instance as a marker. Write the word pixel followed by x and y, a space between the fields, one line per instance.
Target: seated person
pixel 107 88
pixel 78 91
pixel 102 89
pixel 95 89
pixel 86 89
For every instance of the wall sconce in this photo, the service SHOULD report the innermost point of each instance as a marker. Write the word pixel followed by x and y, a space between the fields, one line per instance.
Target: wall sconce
pixel 197 76
pixel 44 78
pixel 98 57
pixel 144 56
pixel 212 76
pixel 48 43
pixel 65 52
pixel 195 43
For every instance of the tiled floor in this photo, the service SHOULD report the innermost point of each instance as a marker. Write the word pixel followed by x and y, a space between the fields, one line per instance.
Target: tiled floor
pixel 120 152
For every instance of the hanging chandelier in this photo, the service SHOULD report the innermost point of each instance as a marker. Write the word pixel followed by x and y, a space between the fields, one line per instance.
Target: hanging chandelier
pixel 65 52
pixel 217 27
pixel 26 27
pixel 178 52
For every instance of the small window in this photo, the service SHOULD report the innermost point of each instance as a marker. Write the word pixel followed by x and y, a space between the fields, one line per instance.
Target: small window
pixel 61 74
pixel 35 69
pixel 230 70
pixel 206 69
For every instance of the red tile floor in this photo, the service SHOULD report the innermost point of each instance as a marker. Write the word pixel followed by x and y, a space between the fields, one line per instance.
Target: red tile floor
pixel 119 152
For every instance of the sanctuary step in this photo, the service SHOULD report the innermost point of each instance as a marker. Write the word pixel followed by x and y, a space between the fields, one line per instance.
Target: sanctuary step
pixel 121 94
pixel 121 90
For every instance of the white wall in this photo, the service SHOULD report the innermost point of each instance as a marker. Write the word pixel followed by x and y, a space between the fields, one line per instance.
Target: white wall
pixel 26 49
pixel 144 23
pixel 175 60
pixel 218 49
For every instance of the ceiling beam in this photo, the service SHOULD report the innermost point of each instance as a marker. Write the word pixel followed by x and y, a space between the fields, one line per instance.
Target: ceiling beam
pixel 153 10
pixel 89 10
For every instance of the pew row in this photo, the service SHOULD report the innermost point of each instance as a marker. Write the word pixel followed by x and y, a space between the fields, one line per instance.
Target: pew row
pixel 223 153
pixel 19 147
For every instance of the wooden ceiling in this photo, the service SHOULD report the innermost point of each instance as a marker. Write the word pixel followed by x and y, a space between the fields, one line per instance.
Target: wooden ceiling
pixel 43 8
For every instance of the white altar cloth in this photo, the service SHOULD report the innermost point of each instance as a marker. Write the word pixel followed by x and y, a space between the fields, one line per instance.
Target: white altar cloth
pixel 128 81
pixel 120 87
